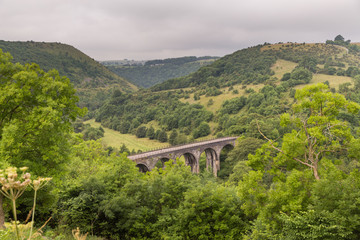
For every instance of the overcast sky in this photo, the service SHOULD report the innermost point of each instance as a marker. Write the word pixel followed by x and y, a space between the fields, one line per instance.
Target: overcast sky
pixel 151 29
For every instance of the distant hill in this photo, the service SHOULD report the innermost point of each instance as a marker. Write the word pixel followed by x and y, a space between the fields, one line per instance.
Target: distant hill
pixel 91 79
pixel 253 65
pixel 149 73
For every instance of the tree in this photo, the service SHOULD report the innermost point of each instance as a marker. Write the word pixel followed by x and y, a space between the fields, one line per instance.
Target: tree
pixel 91 133
pixel 356 80
pixel 301 75
pixel 233 105
pixel 352 71
pixel 94 177
pixel 162 136
pixel 202 131
pixel 308 63
pixel 157 134
pixel 209 211
pixel 242 149
pixel 339 38
pixel 314 225
pixel 172 137
pixel 150 133
pixel 333 214
pixel 36 111
pixel 124 127
pixel 159 193
pixel 124 149
pixel 141 132
pixel 286 77
pixel 317 131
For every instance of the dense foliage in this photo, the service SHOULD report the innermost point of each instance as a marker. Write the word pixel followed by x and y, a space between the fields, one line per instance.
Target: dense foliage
pixel 271 193
pixel 36 112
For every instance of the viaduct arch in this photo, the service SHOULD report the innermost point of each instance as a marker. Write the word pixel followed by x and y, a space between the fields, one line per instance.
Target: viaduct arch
pixel 146 161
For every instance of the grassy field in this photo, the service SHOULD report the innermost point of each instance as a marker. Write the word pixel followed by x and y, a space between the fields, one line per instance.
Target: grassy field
pixel 334 81
pixel 282 66
pixel 116 139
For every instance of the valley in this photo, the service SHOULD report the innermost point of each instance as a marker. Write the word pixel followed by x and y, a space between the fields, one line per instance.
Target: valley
pixel 291 173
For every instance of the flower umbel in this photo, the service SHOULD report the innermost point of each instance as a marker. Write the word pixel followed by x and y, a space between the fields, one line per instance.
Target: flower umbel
pixel 14 186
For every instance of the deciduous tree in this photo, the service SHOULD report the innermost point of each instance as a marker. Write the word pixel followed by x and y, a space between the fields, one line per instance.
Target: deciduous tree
pixel 36 111
pixel 317 131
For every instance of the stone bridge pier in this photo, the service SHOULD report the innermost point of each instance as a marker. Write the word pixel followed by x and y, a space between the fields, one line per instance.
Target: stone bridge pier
pixel 146 161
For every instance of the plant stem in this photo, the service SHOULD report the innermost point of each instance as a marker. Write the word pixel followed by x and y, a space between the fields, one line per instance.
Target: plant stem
pixel 15 218
pixel 33 215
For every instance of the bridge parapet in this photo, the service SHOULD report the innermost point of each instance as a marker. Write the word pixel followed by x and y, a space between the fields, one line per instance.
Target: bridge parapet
pixel 191 152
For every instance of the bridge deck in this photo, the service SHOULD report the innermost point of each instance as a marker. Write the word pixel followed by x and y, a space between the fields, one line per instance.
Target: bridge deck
pixel 180 147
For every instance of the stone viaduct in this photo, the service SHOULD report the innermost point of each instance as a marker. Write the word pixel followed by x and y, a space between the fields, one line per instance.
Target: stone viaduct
pixel 146 161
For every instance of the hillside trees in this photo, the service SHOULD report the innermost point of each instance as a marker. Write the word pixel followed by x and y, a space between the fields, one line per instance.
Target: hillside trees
pixel 202 131
pixel 129 113
pixel 299 75
pixel 237 116
pixel 308 63
pixel 339 40
pixel 91 133
pixel 233 105
pixel 68 60
pixel 246 66
pixel 93 81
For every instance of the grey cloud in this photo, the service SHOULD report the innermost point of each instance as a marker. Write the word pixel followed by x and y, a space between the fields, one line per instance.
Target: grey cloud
pixel 143 29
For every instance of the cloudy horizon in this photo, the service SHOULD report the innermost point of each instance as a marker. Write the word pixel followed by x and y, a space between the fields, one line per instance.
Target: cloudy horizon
pixel 157 29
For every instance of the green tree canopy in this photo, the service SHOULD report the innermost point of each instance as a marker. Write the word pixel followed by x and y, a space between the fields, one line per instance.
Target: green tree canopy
pixel 36 111
pixel 202 131
pixel 317 131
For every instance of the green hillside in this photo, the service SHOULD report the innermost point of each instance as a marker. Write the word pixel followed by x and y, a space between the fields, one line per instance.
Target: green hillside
pixel 233 94
pixel 253 65
pixel 158 71
pixel 91 79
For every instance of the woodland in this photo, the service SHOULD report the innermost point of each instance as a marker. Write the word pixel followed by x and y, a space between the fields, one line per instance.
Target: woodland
pixel 293 174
